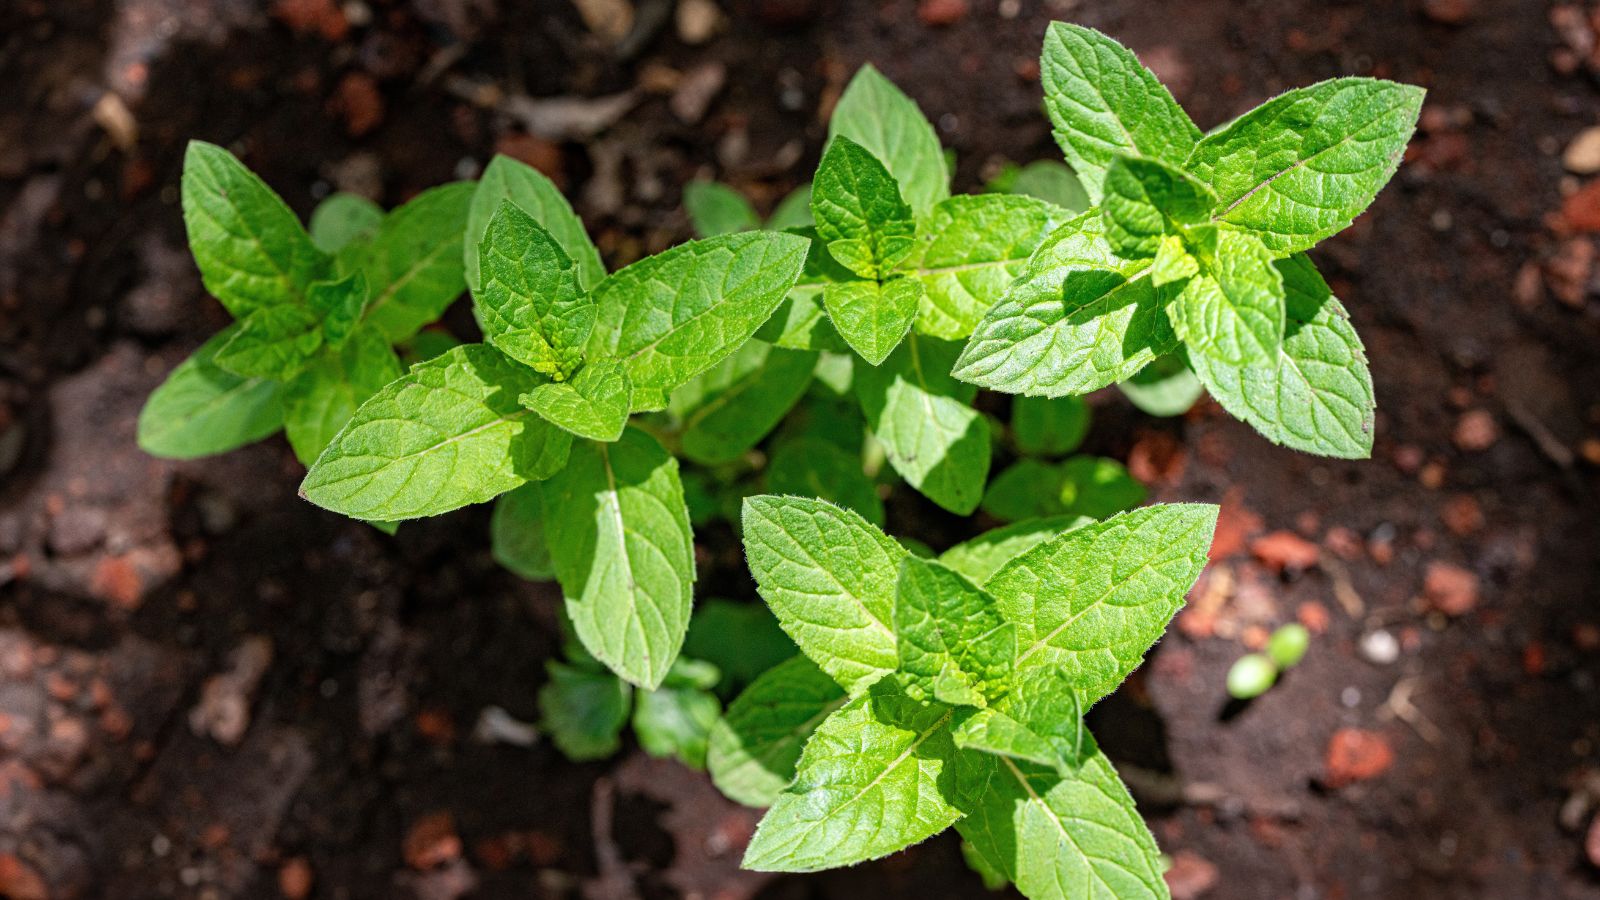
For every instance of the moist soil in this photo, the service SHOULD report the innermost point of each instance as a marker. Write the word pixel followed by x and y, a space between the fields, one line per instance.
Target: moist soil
pixel 210 688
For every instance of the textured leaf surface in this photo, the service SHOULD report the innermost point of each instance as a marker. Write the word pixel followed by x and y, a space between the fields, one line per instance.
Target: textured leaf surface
pixel 954 646
pixel 1049 426
pixel 413 265
pixel 1146 200
pixel 1102 102
pixel 447 434
pixel 868 784
pixel 320 400
pixel 829 577
pixel 516 534
pixel 756 745
pixel 250 248
pixel 593 405
pixel 1039 721
pixel 201 409
pixel 878 116
pixel 1314 394
pixel 1234 310
pixel 1166 387
pixel 1092 601
pixel 619 536
pixel 583 711
pixel 730 407
pixel 529 301
pixel 971 248
pixel 509 179
pixel 816 467
pixel 872 317
pixel 343 219
pixel 933 437
pixel 859 212
pixel 273 342
pixel 1301 166
pixel 339 305
pixel 982 556
pixel 802 324
pixel 673 315
pixel 1078 318
pixel 715 209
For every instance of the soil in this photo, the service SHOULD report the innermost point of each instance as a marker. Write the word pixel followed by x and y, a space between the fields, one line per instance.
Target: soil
pixel 209 688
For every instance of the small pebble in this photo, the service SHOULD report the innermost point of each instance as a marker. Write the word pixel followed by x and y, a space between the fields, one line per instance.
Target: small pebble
pixel 1379 647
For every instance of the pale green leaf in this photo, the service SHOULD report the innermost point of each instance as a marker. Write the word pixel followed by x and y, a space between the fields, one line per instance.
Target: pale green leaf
pixel 954 646
pixel 933 437
pixel 1049 426
pixel 1233 311
pixel 878 116
pixel 983 555
pixel 273 342
pixel 509 179
pixel 868 227
pixel 516 534
pixel 727 409
pixel 755 746
pixel 447 434
pixel 676 719
pixel 1301 166
pixel 816 467
pixel 201 409
pixel 619 536
pixel 593 405
pixel 413 264
pixel 872 317
pixel 319 401
pixel 829 576
pixel 1146 200
pixel 1051 182
pixel 528 299
pixel 344 219
pixel 802 324
pixel 1173 263
pixel 583 711
pixel 793 211
pixel 1039 721
pixel 715 209
pixel 1166 387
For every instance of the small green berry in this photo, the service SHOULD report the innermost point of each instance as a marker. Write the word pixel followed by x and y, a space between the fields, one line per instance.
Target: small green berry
pixel 1251 676
pixel 1288 645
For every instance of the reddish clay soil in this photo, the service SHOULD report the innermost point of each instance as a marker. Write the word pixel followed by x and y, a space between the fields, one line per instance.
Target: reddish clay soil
pixel 209 688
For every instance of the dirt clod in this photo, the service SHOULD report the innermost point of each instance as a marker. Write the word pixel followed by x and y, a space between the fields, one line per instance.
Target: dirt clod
pixel 432 842
pixel 1355 754
pixel 1476 431
pixel 1450 589
pixel 1285 551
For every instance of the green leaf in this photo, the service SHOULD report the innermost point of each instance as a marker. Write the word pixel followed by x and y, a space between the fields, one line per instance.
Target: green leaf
pixel 201 409
pixel 1049 426
pixel 593 405
pixel 829 576
pixel 508 179
pixel 342 220
pixel 1078 318
pixel 273 342
pixel 1097 487
pixel 583 711
pixel 339 305
pixel 875 114
pixel 1039 721
pixel 528 299
pixel 743 640
pixel 872 317
pixel 673 315
pixel 413 264
pixel 1052 182
pixel 619 536
pixel 802 324
pixel 993 876
pixel 983 555
pixel 972 247
pixel 1301 166
pixel 676 719
pixel 1166 387
pixel 858 209
pixel 447 434
pixel 1315 394
pixel 1233 311
pixel 250 248
pixel 868 784
pixel 1102 102
pixel 1026 489
pixel 755 746
pixel 954 646
pixel 933 437
pixel 1091 601
pixel 319 401
pixel 516 534
pixel 816 467
pixel 793 211
pixel 715 209
pixel 1173 263
pixel 1146 201
pixel 727 409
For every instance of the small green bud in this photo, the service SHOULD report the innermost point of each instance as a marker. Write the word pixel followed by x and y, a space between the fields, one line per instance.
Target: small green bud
pixel 1288 645
pixel 1251 676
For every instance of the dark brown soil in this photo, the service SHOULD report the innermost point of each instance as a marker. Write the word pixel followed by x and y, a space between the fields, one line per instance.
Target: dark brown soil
pixel 209 688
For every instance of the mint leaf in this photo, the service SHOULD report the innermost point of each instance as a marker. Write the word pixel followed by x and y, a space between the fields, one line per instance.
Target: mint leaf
pixel 583 711
pixel 1166 387
pixel 755 746
pixel 1097 487
pixel 201 409
pixel 619 536
pixel 829 576
pixel 273 342
pixel 593 405
pixel 1091 601
pixel 1147 200
pixel 413 264
pixel 981 556
pixel 508 179
pixel 1173 262
pixel 339 305
pixel 1049 426
pixel 954 646
pixel 743 640
pixel 801 323
pixel 1301 166
pixel 528 298
pixel 867 785
pixel 342 220
pixel 727 409
pixel 858 209
pixel 1051 182
pixel 447 434
pixel 250 248
pixel 319 401
pixel 1039 721
pixel 871 316
pixel 674 315
pixel 1026 489
pixel 815 467
pixel 676 719
pixel 793 211
pixel 1233 311
pixel 923 417
pixel 1102 102
pixel 1078 318
pixel 875 114
pixel 516 534
pixel 1315 393
pixel 718 209
pixel 972 247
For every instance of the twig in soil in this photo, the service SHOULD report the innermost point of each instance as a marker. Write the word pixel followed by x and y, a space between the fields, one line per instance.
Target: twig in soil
pixel 1343 590
pixel 615 881
pixel 1548 443
pixel 1399 706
